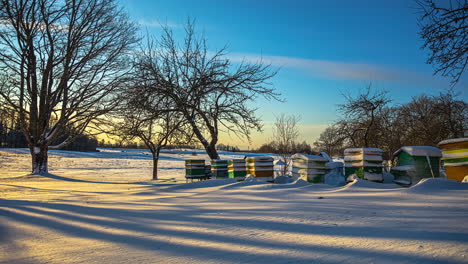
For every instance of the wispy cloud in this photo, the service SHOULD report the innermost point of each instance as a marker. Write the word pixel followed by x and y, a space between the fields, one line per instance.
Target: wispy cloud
pixel 158 24
pixel 336 70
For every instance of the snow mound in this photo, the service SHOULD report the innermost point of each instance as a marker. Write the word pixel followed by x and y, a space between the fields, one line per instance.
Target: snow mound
pixel 359 183
pixel 283 179
pixel 297 184
pixel 243 184
pixel 431 185
pixel 201 184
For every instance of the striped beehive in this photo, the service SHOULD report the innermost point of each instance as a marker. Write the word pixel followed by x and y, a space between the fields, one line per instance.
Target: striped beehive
pixel 414 163
pixel 236 169
pixel 310 168
pixel 366 163
pixel 455 158
pixel 260 167
pixel 195 169
pixel 219 168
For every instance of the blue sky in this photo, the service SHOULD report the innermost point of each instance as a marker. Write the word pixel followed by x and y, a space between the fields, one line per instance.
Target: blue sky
pixel 324 49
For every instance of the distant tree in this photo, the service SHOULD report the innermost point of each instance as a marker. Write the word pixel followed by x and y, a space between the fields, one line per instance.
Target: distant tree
pixel 359 114
pixel 331 140
pixel 454 113
pixel 268 147
pixel 303 147
pixel 427 120
pixel 60 62
pixel 444 29
pixel 205 87
pixel 285 134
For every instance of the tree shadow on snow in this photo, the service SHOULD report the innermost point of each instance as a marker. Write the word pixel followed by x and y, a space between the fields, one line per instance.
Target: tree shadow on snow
pixel 74 220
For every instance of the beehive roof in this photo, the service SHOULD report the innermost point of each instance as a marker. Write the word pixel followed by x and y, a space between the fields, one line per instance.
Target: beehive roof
pixel 420 151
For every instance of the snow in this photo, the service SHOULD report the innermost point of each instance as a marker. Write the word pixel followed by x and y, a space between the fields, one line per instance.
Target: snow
pixel 102 208
pixel 453 140
pixel 372 151
pixel 363 157
pixel 325 155
pixel 420 151
pixel 37 150
pixel 307 157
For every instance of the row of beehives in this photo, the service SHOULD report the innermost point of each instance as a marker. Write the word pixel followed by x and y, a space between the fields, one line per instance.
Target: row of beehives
pixel 412 163
pixel 261 167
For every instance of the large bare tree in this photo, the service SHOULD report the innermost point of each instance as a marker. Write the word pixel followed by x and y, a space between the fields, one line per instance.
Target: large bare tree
pixel 210 92
pixel 444 29
pixel 362 111
pixel 60 62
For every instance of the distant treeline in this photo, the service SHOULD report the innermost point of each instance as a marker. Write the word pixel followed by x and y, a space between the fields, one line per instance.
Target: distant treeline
pixel 367 120
pixel 140 145
pixel 277 148
pixel 11 135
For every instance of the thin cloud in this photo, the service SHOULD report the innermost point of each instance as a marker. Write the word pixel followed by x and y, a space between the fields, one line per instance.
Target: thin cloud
pixel 335 70
pixel 158 24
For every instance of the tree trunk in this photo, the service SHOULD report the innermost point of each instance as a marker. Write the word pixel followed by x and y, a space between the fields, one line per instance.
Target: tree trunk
pixel 155 153
pixel 211 151
pixel 155 167
pixel 39 159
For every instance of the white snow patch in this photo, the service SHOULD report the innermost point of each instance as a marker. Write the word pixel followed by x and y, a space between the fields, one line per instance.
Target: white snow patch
pixel 420 151
pixel 453 140
pixel 430 186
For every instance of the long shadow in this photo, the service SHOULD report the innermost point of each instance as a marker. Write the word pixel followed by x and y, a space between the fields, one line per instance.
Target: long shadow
pixel 191 213
pixel 140 155
pixel 61 178
pixel 152 242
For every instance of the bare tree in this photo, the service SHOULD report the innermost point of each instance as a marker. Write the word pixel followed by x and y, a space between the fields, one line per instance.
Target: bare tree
pixel 146 118
pixel 362 110
pixel 454 113
pixel 331 140
pixel 285 134
pixel 444 29
pixel 61 61
pixel 212 94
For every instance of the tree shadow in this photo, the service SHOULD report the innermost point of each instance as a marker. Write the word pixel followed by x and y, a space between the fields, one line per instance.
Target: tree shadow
pixel 91 223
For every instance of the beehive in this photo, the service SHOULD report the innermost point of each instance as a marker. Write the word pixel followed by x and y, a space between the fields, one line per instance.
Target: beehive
pixel 219 168
pixel 261 167
pixel 236 169
pixel 414 163
pixel 366 163
pixel 195 169
pixel 455 158
pixel 310 168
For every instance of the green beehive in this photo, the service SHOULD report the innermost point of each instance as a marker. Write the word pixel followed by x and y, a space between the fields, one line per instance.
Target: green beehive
pixel 219 168
pixel 195 167
pixel 236 169
pixel 414 163
pixel 365 163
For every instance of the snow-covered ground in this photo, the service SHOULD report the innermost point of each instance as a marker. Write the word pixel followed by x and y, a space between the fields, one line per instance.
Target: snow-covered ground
pixel 102 208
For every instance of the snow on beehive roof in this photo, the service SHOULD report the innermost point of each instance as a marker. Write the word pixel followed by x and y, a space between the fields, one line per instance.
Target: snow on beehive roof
pixel 420 151
pixel 363 150
pixel 308 157
pixel 453 140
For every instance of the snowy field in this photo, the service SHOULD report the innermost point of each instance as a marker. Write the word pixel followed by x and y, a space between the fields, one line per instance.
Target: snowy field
pixel 102 208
